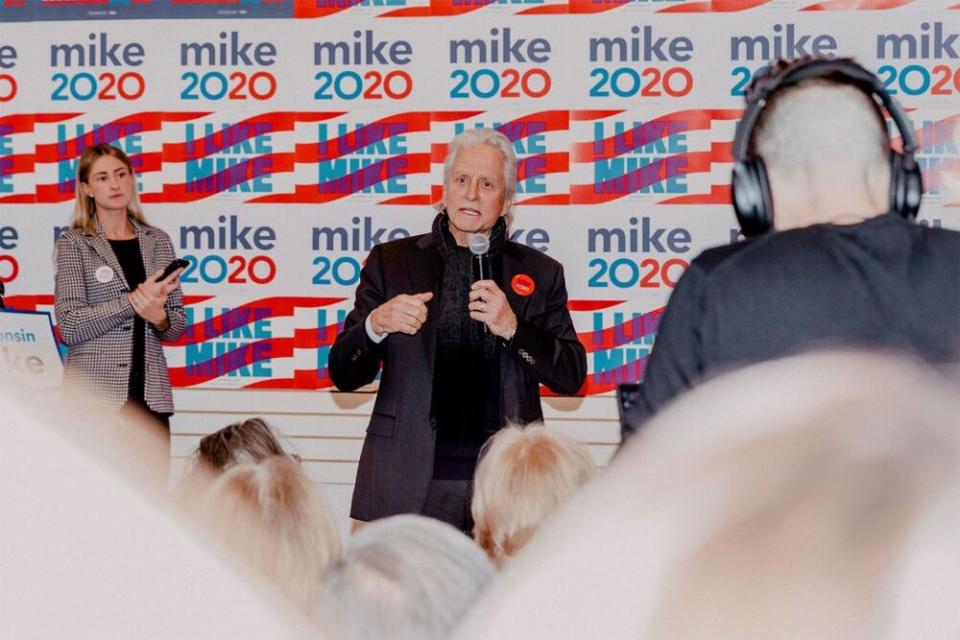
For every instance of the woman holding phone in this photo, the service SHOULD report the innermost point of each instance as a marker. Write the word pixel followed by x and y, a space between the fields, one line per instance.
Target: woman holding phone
pixel 114 303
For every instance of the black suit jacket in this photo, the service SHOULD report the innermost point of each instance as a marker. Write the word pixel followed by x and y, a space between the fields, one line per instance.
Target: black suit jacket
pixel 396 463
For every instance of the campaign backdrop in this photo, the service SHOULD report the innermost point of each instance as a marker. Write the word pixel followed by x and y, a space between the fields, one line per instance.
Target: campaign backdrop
pixel 277 142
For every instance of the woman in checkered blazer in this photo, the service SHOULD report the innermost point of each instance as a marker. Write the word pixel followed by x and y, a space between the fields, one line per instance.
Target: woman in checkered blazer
pixel 112 308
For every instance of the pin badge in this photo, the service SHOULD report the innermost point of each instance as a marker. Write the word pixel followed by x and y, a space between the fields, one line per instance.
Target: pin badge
pixel 103 274
pixel 523 285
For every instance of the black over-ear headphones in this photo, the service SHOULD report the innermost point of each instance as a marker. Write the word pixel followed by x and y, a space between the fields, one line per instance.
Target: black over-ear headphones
pixel 752 199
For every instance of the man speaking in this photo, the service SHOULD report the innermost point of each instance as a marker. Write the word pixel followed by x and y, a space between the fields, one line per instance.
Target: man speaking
pixel 462 353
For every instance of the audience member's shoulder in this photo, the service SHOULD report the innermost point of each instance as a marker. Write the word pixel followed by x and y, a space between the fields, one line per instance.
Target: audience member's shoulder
pixel 939 235
pixel 702 266
pixel 713 256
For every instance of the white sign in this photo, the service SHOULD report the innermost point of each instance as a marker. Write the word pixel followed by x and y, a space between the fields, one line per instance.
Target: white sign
pixel 28 349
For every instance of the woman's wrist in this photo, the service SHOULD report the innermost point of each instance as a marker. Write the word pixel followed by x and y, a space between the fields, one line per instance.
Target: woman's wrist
pixel 162 323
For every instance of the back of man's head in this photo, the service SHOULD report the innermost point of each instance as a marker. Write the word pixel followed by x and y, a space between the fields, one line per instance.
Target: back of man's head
pixel 826 150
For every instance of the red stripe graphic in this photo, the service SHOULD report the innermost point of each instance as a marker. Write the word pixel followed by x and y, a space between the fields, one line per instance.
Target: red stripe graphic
pixel 624 333
pixel 337 188
pixel 575 7
pixel 238 317
pixel 594 114
pixel 111 132
pixel 439 8
pixel 550 200
pixel 242 131
pixel 23 122
pixel 591 305
pixel 714 6
pixel 642 177
pixel 650 131
pixel 306 379
pixel 606 381
pixel 719 194
pixel 857 5
pixel 315 337
pixel 365 136
pixel 242 356
pixel 516 129
pixel 28 302
pixel 320 8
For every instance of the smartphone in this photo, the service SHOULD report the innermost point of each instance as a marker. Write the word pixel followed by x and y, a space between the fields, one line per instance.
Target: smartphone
pixel 179 263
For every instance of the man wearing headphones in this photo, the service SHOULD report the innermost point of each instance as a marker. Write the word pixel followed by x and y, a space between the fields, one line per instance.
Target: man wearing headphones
pixel 833 257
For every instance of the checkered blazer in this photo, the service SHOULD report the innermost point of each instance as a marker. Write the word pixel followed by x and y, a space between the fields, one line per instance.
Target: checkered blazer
pixel 96 319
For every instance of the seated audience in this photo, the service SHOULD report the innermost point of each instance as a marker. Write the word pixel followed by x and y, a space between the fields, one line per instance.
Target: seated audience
pixel 89 547
pixel 251 440
pixel 402 578
pixel 523 475
pixel 809 497
pixel 271 515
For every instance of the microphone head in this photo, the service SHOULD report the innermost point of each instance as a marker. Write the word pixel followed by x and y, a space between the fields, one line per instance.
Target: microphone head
pixel 479 244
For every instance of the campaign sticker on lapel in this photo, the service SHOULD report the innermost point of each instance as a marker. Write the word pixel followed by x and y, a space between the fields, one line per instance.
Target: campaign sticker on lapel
pixel 523 285
pixel 103 274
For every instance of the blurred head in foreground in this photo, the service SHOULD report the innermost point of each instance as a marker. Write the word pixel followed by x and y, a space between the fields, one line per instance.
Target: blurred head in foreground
pixel 90 547
pixel 814 496
pixel 402 578
pixel 523 475
pixel 271 515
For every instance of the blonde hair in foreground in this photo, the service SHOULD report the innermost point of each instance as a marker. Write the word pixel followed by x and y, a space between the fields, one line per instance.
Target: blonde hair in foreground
pixel 809 497
pixel 272 516
pixel 523 475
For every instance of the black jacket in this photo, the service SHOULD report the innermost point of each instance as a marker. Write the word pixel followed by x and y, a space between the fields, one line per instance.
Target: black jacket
pixel 396 464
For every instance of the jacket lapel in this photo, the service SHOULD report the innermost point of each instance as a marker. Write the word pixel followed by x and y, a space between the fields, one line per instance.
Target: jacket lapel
pixel 102 246
pixel 423 269
pixel 148 244
pixel 512 265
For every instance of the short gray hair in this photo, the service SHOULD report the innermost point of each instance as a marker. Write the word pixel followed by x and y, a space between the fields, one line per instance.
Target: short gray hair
pixel 402 578
pixel 495 139
pixel 822 130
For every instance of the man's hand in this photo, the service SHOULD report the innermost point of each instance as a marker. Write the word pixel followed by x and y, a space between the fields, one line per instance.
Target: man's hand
pixel 405 314
pixel 489 305
pixel 149 298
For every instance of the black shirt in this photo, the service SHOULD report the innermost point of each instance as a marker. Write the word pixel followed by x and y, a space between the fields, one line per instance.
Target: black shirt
pixel 466 377
pixel 131 261
pixel 883 283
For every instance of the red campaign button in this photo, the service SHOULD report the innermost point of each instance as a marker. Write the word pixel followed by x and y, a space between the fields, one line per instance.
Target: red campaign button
pixel 523 285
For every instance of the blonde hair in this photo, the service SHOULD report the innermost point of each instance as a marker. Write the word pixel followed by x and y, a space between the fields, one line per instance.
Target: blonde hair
pixel 272 516
pixel 523 475
pixel 85 209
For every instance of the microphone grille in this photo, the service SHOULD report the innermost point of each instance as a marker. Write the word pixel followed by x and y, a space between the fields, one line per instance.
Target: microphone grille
pixel 479 244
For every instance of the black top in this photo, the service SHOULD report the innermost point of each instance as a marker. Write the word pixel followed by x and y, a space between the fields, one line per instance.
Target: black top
pixel 131 261
pixel 466 380
pixel 883 283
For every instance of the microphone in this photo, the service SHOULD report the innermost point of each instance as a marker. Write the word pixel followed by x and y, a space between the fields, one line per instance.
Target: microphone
pixel 479 246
